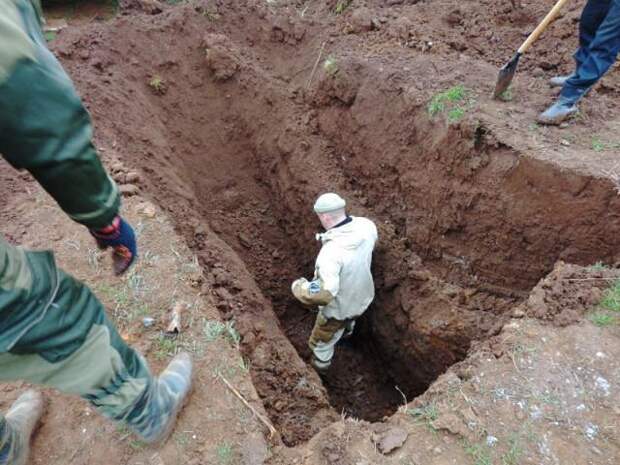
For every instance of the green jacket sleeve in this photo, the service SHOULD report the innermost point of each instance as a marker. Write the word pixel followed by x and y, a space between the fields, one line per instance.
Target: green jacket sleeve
pixel 45 129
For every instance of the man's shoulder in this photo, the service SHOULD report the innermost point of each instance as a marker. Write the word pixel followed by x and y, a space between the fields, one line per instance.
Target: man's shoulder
pixel 366 223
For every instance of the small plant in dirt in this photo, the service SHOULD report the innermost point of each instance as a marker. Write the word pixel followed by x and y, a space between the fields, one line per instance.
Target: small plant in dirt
pixel 426 414
pixel 506 96
pixel 50 35
pixel 598 266
pixel 166 347
pixel 330 66
pixel 213 329
pixel 456 114
pixel 136 445
pixel 454 102
pixel 341 6
pixel 479 453
pixel 224 453
pixel 158 84
pixel 611 298
pixel 602 319
pixel 599 145
pixel 514 453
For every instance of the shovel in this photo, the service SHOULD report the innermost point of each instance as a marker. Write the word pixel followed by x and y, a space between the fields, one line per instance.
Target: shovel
pixel 507 72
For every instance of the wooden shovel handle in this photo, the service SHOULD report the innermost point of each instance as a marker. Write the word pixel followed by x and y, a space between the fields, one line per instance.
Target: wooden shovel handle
pixel 542 26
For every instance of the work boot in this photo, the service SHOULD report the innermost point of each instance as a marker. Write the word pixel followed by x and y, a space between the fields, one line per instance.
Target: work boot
pixel 559 81
pixel 155 413
pixel 21 421
pixel 561 110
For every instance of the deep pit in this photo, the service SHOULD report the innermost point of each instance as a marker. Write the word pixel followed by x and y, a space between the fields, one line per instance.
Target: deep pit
pixel 238 145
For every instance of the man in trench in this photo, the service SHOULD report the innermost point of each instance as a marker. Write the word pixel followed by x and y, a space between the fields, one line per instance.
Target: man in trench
pixel 53 330
pixel 342 286
pixel 599 45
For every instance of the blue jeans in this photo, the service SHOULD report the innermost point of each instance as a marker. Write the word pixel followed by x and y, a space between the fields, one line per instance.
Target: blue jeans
pixel 599 45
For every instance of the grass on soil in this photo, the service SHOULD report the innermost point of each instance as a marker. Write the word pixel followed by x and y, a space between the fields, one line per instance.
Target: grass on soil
pixel 453 102
pixel 330 66
pixel 341 6
pixel 157 84
pixel 214 329
pixel 425 415
pixel 599 145
pixel 609 308
pixel 225 453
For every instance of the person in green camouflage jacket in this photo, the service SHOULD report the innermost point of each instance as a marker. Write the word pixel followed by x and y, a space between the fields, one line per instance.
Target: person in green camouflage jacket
pixel 53 330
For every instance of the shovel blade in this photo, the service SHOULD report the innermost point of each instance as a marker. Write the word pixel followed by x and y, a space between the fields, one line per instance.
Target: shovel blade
pixel 506 73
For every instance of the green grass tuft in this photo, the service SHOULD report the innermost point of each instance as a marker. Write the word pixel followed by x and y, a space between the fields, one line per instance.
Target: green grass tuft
pixel 50 35
pixel 479 453
pixel 454 101
pixel 426 414
pixel 602 319
pixel 341 6
pixel 598 266
pixel 214 329
pixel 224 453
pixel 166 347
pixel 506 96
pixel 514 453
pixel 611 298
pixel 330 65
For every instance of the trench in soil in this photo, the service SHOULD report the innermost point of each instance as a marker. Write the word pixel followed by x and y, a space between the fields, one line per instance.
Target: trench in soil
pixel 368 379
pixel 467 225
pixel 390 358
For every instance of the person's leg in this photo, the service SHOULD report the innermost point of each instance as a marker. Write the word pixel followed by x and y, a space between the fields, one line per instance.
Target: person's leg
pixel 591 18
pixel 325 335
pixel 17 427
pixel 77 350
pixel 72 346
pixel 602 53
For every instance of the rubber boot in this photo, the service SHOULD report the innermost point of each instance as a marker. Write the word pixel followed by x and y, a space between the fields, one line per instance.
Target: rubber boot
pixel 154 415
pixel 561 110
pixel 20 422
pixel 559 81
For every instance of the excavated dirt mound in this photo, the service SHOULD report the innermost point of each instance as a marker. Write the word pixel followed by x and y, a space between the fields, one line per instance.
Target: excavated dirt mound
pixel 238 114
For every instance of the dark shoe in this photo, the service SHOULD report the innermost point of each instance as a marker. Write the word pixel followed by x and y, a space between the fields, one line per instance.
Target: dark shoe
pixel 21 421
pixel 558 112
pixel 559 81
pixel 155 414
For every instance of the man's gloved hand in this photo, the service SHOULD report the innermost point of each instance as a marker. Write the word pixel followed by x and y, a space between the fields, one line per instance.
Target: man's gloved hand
pixel 311 293
pixel 120 236
pixel 297 288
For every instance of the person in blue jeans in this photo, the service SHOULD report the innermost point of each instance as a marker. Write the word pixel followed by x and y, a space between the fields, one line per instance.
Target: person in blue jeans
pixel 599 44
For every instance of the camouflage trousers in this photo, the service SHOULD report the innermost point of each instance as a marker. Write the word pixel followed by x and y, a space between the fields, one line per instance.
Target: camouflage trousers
pixel 325 335
pixel 54 332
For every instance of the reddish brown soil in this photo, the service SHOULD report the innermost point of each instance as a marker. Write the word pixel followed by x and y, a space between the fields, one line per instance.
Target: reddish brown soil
pixel 243 131
pixel 243 135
